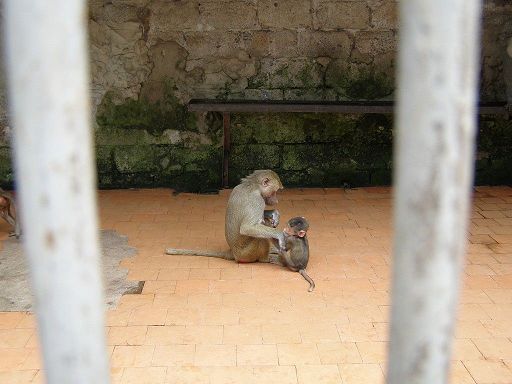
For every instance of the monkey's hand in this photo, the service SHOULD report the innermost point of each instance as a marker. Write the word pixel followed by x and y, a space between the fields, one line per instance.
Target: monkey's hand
pixel 276 258
pixel 282 243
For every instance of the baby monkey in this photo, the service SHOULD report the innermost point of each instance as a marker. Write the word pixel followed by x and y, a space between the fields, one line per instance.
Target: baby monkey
pixel 296 256
pixel 271 218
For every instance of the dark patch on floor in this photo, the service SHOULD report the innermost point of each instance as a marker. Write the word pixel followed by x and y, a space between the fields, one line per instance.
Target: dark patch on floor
pixel 15 292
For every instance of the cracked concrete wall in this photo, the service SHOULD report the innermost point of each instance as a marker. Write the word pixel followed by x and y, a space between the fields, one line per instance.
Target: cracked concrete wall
pixel 252 49
pixel 261 49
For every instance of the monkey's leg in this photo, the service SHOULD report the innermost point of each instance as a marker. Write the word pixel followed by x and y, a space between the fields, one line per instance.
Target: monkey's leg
pixel 191 252
pixel 252 251
pixel 308 279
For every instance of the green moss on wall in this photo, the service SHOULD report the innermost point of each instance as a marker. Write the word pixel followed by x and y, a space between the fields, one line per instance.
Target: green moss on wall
pixel 346 175
pixel 494 153
pixel 203 158
pixel 200 172
pixel 303 156
pixel 314 149
pixel 155 118
pixel 104 159
pixel 306 150
pixel 150 144
pixel 354 149
pixel 358 83
pixel 295 74
pixel 135 158
pixel 198 181
pixel 371 142
pixel 259 81
pixel 160 166
pixel 369 85
pixel 329 128
pixel 308 80
pixel 251 155
pixel 267 128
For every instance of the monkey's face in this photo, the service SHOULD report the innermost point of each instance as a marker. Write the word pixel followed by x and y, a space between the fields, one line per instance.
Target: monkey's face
pixel 295 231
pixel 270 199
pixel 269 221
pixel 268 188
pixel 297 226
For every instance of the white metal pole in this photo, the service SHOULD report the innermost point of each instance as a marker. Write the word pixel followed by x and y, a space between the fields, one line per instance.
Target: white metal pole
pixel 48 81
pixel 434 148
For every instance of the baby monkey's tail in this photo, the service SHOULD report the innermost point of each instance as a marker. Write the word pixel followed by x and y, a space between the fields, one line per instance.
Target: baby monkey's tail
pixel 192 252
pixel 308 279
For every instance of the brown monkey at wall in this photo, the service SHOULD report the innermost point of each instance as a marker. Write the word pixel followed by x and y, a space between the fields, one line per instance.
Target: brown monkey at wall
pixel 247 237
pixel 8 212
pixel 296 255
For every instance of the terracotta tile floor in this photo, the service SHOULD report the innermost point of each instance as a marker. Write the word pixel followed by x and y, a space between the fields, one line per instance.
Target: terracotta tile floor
pixel 202 320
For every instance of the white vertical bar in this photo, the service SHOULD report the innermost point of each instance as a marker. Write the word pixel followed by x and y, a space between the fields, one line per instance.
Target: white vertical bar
pixel 48 94
pixel 434 159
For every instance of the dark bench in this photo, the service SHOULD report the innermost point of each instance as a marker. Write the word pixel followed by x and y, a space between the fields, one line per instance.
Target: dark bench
pixel 258 106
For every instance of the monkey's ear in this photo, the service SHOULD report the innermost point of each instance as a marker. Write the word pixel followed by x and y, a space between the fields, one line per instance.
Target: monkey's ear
pixel 265 181
pixel 301 233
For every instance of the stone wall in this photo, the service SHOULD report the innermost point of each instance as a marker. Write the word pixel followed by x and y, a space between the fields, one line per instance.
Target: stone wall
pixel 150 57
pixel 244 49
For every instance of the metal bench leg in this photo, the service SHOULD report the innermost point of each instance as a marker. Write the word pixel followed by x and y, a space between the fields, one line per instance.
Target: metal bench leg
pixel 227 149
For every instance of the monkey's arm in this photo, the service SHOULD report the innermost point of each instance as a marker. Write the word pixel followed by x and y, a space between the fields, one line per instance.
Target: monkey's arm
pixel 262 231
pixel 251 226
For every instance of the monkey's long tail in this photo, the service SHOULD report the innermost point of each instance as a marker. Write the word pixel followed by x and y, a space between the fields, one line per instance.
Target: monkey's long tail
pixel 308 279
pixel 191 252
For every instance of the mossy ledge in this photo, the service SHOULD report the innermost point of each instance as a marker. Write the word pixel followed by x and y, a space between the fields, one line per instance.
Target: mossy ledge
pixel 155 118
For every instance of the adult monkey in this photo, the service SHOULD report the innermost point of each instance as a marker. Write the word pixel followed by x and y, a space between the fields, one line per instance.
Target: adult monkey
pixel 247 238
